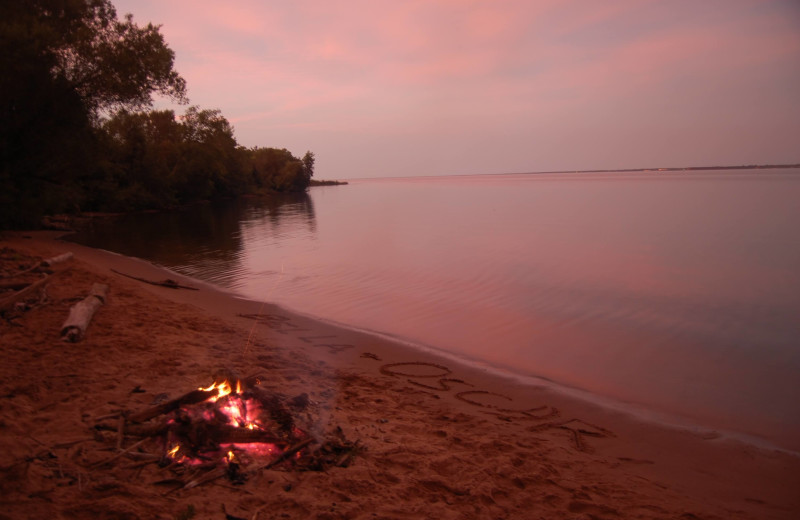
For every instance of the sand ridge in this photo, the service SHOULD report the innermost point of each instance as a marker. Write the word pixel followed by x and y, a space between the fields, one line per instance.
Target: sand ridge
pixel 442 440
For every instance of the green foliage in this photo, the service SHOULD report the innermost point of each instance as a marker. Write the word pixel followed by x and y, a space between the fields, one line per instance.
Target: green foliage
pixel 64 61
pixel 153 160
pixel 279 170
pixel 308 164
pixel 73 136
pixel 141 152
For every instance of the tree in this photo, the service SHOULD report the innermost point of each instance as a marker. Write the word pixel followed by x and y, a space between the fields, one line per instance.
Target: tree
pixel 279 170
pixel 210 162
pixel 142 153
pixel 308 164
pixel 64 62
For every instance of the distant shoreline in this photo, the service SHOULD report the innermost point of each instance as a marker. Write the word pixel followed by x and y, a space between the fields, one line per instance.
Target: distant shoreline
pixel 674 169
pixel 315 182
pixel 613 170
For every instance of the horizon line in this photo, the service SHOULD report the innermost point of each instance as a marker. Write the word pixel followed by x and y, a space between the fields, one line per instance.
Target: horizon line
pixel 611 170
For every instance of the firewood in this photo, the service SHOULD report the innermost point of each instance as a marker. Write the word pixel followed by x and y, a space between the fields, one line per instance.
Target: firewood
pixel 193 397
pixel 81 313
pixel 226 434
pixel 273 405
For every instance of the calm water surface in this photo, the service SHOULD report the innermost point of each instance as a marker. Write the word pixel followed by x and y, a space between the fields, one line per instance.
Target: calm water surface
pixel 676 291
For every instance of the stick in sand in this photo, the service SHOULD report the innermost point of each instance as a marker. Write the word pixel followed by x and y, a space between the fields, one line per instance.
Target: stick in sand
pixel 172 284
pixel 286 454
pixel 9 301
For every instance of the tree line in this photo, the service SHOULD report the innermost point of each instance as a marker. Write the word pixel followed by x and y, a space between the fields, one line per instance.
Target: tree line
pixel 77 132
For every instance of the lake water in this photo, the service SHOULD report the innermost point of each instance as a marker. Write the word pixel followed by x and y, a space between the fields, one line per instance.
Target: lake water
pixel 677 291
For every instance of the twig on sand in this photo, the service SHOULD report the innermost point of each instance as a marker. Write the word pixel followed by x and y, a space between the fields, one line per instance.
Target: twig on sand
pixel 172 284
pixel 120 454
pixel 286 454
pixel 206 477
pixel 9 301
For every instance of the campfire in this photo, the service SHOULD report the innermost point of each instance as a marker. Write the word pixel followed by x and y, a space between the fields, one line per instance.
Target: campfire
pixel 231 428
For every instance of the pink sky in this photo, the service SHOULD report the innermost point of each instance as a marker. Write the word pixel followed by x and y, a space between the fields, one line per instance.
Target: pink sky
pixel 435 87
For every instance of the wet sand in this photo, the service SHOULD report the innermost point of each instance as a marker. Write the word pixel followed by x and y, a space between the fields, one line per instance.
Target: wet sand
pixel 442 439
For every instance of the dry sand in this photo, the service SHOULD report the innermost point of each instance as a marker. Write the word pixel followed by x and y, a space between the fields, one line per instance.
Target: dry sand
pixel 442 440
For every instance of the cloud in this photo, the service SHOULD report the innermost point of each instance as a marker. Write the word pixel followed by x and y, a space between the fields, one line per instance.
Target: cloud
pixel 447 71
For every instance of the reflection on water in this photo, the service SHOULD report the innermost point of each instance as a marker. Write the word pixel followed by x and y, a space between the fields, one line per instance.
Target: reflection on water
pixel 679 291
pixel 204 241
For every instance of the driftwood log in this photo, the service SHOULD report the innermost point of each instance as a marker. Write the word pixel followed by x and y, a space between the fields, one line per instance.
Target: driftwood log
pixel 50 262
pixel 81 313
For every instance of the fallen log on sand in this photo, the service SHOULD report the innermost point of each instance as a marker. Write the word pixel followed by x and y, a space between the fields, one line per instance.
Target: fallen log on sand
pixel 57 259
pixel 81 313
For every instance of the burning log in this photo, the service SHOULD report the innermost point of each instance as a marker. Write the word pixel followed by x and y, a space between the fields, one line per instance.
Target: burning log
pixel 226 434
pixel 193 397
pixel 81 313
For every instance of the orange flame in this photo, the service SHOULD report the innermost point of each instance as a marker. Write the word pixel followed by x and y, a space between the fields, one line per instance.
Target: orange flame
pixel 224 388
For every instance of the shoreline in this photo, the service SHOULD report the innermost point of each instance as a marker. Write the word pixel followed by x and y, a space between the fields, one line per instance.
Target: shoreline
pixel 636 411
pixel 627 465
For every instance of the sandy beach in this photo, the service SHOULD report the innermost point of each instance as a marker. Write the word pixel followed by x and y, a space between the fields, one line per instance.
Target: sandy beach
pixel 437 439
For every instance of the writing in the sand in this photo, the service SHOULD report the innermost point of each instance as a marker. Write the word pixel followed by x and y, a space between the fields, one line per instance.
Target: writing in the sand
pixel 437 377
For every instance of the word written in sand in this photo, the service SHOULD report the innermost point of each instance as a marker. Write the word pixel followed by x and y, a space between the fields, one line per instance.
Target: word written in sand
pixel 578 429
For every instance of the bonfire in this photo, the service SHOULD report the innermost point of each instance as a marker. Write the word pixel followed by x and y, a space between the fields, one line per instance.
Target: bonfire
pixel 231 428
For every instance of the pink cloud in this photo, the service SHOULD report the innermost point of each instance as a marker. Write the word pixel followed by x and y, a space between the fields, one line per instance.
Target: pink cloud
pixel 432 70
